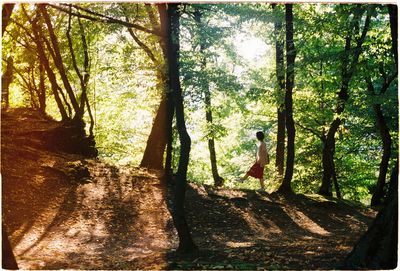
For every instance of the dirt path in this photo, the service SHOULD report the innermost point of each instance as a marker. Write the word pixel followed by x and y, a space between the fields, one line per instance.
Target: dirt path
pixel 116 218
pixel 62 211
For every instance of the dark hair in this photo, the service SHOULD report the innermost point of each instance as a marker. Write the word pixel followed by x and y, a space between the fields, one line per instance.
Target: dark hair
pixel 260 135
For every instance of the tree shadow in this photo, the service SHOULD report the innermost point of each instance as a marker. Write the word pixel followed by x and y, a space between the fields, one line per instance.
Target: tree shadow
pixel 250 222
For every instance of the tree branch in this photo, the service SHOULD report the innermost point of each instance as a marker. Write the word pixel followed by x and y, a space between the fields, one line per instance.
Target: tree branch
pixel 102 18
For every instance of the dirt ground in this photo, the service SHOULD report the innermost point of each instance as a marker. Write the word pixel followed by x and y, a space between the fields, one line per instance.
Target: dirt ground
pixel 62 211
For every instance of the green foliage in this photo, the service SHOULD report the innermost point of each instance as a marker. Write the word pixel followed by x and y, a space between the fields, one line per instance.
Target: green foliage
pixel 229 56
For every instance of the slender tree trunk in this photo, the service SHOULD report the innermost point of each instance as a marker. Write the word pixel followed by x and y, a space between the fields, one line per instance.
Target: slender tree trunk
pixel 280 78
pixel 84 79
pixel 5 16
pixel 335 180
pixel 186 244
pixel 377 248
pixel 327 159
pixel 6 80
pixel 42 90
pixel 383 167
pixel 349 65
pixel 385 136
pixel 290 58
pixel 58 60
pixel 45 62
pixel 218 180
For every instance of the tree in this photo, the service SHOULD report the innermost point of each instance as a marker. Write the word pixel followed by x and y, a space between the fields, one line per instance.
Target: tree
pixel 6 80
pixel 205 85
pixel 280 79
pixel 8 258
pixel 5 15
pixel 349 65
pixel 377 248
pixel 171 27
pixel 290 129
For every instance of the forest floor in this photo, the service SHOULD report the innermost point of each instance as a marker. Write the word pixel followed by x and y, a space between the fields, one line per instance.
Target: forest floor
pixel 62 211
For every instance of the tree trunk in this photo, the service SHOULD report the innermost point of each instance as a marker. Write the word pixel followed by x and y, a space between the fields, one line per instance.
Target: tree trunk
pixel 348 69
pixel 155 147
pixel 218 180
pixel 290 58
pixel 6 80
pixel 186 244
pixel 8 258
pixel 42 90
pixel 327 159
pixel 58 60
pixel 161 131
pixel 335 181
pixel 383 167
pixel 393 14
pixel 377 248
pixel 5 16
pixel 45 62
pixel 280 78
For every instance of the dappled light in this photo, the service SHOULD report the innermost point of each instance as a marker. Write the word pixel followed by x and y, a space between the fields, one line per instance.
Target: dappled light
pixel 199 136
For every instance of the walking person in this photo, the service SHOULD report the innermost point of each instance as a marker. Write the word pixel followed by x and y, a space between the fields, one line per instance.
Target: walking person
pixel 262 159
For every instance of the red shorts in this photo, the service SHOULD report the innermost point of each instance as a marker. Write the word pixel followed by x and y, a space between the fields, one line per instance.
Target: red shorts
pixel 256 171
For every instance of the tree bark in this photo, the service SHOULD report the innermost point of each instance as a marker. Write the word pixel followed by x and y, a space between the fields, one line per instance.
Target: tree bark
pixel 377 248
pixel 385 137
pixel 5 16
pixel 161 132
pixel 6 80
pixel 8 258
pixel 218 180
pixel 186 244
pixel 45 62
pixel 393 15
pixel 290 129
pixel 280 78
pixel 383 167
pixel 42 90
pixel 59 62
pixel 155 147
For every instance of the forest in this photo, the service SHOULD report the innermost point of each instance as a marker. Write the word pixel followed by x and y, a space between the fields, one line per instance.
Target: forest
pixel 144 116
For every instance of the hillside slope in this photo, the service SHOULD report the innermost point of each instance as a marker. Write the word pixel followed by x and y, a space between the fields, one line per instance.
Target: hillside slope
pixel 64 211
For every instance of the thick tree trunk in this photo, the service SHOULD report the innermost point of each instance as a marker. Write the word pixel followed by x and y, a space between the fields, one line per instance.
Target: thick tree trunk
pixel 6 80
pixel 280 78
pixel 155 147
pixel 186 244
pixel 5 16
pixel 377 248
pixel 161 131
pixel 290 58
pixel 393 15
pixel 8 258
